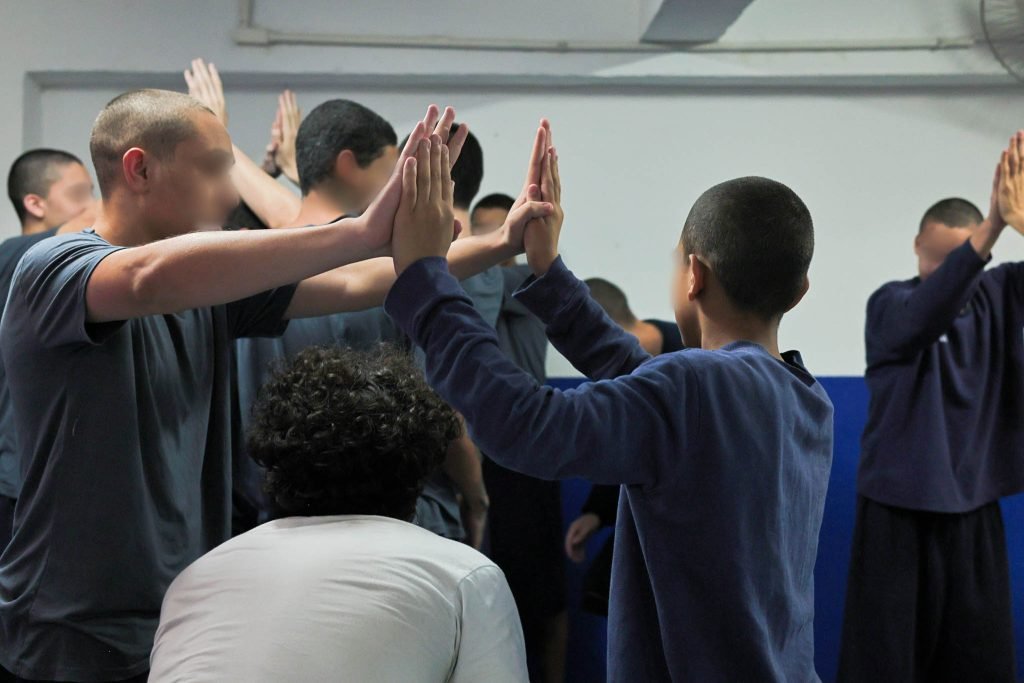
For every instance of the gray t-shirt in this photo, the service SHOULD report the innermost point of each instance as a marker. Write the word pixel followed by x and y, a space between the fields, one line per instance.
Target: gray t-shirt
pixel 521 334
pixel 438 508
pixel 11 252
pixel 125 444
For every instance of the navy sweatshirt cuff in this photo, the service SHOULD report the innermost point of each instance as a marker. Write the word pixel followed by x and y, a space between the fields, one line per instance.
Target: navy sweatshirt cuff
pixel 550 296
pixel 417 291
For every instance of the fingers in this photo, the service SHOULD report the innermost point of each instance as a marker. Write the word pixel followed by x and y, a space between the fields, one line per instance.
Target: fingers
pixel 1020 151
pixel 444 124
pixel 430 120
pixel 215 81
pixel 447 186
pixel 409 188
pixel 533 169
pixel 412 144
pixel 190 82
pixel 1004 166
pixel 436 181
pixel 456 143
pixel 1014 157
pixel 423 169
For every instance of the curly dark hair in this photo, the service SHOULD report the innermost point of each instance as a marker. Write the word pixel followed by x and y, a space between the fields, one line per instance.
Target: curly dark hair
pixel 344 432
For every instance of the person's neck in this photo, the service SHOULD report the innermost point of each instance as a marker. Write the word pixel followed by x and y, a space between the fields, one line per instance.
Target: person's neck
pixel 648 335
pixel 731 328
pixel 320 207
pixel 462 216
pixel 34 227
pixel 123 226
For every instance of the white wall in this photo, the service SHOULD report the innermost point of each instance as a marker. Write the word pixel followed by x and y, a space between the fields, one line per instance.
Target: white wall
pixel 640 135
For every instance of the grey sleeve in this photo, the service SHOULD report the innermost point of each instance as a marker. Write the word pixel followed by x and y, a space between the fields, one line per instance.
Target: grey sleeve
pixel 48 291
pixel 261 315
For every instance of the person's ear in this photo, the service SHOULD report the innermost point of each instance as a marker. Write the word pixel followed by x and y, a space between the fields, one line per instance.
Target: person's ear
pixel 804 286
pixel 135 169
pixel 917 244
pixel 345 165
pixel 698 277
pixel 34 205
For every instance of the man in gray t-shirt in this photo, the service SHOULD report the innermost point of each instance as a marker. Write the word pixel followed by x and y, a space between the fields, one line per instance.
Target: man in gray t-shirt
pixel 117 345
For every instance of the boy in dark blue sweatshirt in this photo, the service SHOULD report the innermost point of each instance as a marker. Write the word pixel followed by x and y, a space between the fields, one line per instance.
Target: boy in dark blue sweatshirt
pixel 723 450
pixel 928 597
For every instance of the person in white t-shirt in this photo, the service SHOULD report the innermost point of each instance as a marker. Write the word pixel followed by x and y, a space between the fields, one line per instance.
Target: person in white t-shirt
pixel 345 588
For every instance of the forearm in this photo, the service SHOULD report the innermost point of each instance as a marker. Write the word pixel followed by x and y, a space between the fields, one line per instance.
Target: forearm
pixel 602 432
pixel 272 202
pixel 359 286
pixel 463 467
pixel 918 319
pixel 475 254
pixel 578 327
pixel 355 287
pixel 985 237
pixel 217 267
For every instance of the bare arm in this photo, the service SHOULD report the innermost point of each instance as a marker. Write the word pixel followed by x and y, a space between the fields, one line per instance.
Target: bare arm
pixel 210 268
pixel 463 467
pixel 272 202
pixel 275 204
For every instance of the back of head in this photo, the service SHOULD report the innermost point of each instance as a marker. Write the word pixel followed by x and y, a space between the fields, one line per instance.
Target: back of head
pixel 496 200
pixel 612 300
pixel 953 212
pixel 757 237
pixel 34 172
pixel 468 172
pixel 347 432
pixel 153 120
pixel 331 128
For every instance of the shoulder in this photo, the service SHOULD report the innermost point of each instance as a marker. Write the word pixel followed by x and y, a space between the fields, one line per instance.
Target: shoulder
pixel 890 289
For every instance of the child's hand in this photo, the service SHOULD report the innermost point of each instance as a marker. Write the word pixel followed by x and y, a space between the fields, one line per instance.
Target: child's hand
pixel 580 531
pixel 1010 183
pixel 541 238
pixel 425 222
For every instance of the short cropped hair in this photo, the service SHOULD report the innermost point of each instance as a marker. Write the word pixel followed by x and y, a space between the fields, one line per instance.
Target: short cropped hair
pixel 953 212
pixel 757 236
pixel 153 120
pixel 330 129
pixel 612 300
pixel 35 172
pixel 496 200
pixel 468 171
pixel 340 431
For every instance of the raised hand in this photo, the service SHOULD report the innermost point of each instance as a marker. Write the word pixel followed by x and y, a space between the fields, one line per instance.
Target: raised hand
pixel 540 241
pixel 1010 184
pixel 269 164
pixel 379 218
pixel 204 84
pixel 288 119
pixel 425 223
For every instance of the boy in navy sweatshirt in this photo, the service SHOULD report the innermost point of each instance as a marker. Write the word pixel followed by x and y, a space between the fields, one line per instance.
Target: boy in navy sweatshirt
pixel 928 597
pixel 723 450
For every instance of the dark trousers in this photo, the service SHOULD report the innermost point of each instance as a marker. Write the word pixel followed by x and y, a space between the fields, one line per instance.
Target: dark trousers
pixel 7 677
pixel 928 597
pixel 6 521
pixel 525 534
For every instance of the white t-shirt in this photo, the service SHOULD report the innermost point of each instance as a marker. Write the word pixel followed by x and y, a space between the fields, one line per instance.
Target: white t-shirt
pixel 348 598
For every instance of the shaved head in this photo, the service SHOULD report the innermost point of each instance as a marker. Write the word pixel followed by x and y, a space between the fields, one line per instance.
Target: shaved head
pixel 155 121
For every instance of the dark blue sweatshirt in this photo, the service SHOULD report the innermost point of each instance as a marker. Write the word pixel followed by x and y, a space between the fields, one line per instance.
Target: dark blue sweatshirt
pixel 945 355
pixel 724 457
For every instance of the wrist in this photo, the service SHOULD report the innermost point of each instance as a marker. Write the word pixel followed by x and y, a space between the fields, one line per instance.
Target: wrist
pixel 540 264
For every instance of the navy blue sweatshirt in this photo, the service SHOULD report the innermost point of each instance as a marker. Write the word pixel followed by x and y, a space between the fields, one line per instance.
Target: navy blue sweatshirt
pixel 945 356
pixel 724 457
